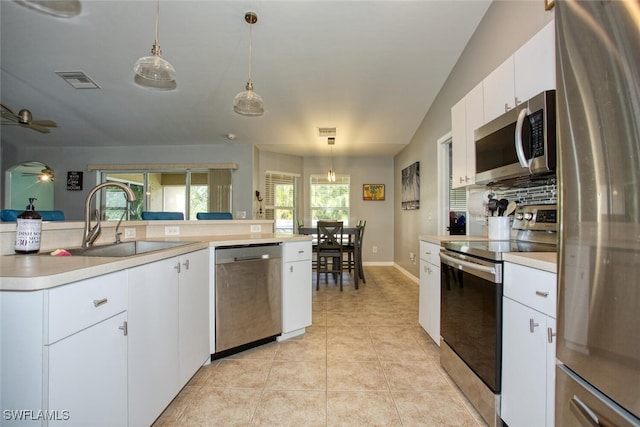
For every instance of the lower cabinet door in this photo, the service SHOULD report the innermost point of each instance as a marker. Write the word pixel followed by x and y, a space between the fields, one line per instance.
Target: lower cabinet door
pixel 524 366
pixel 153 359
pixel 88 376
pixel 296 295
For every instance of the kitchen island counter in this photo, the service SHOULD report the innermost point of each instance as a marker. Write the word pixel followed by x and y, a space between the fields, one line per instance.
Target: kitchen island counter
pixel 41 271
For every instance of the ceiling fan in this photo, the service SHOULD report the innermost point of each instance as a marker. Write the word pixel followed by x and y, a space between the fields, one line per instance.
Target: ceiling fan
pixel 24 118
pixel 33 169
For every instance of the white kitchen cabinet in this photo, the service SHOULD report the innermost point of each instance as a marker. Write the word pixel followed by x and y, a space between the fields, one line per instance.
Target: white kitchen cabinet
pixel 296 288
pixel 64 352
pixel 528 346
pixel 168 331
pixel 529 71
pixel 88 375
pixel 193 312
pixel 466 116
pixel 429 294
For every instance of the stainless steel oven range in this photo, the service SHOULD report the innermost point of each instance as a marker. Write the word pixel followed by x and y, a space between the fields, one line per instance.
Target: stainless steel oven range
pixel 471 305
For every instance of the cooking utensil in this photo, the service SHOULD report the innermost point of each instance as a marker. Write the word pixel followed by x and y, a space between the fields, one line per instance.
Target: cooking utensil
pixel 492 205
pixel 511 208
pixel 502 206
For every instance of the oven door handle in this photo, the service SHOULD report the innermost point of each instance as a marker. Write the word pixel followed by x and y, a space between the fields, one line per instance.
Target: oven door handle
pixel 469 265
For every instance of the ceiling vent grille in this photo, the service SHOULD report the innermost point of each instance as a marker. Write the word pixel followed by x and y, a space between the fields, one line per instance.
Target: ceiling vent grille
pixel 326 132
pixel 78 79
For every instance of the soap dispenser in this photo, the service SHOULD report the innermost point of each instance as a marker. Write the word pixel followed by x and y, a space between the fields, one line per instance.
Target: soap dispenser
pixel 28 230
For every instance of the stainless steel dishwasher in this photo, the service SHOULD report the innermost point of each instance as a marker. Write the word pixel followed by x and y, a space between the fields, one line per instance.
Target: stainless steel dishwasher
pixel 248 296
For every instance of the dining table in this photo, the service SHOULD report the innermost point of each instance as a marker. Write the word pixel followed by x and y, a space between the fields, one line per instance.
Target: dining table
pixel 350 234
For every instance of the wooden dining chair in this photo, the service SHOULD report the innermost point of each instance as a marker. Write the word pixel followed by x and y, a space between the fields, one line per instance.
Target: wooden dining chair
pixel 329 251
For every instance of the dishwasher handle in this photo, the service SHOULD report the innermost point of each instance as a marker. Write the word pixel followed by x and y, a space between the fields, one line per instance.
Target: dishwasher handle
pixel 251 258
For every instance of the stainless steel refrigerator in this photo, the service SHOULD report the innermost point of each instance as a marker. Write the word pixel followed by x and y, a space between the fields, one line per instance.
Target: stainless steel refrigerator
pixel 598 100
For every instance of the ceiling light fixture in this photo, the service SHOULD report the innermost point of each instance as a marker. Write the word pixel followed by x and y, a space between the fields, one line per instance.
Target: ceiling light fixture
pixel 249 103
pixel 154 67
pixel 331 175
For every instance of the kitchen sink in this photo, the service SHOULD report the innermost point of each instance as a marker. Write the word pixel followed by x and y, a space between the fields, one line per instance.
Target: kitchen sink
pixel 125 249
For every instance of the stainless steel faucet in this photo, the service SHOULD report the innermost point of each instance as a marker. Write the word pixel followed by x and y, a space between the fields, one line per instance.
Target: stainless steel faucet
pixel 92 233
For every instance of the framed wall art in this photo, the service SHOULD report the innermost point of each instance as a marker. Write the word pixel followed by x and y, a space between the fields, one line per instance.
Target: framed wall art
pixel 373 192
pixel 411 187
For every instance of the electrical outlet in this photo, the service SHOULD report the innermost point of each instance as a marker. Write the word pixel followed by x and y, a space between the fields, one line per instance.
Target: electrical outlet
pixel 256 228
pixel 241 214
pixel 374 249
pixel 129 233
pixel 172 231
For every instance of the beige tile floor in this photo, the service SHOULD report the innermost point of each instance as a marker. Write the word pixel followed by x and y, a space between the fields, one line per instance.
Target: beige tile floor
pixel 365 361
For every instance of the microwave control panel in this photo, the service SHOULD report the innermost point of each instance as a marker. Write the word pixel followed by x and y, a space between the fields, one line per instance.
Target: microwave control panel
pixel 536 120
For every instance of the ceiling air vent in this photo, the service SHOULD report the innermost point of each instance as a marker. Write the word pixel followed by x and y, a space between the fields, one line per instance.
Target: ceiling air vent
pixel 326 132
pixel 78 79
pixel 331 141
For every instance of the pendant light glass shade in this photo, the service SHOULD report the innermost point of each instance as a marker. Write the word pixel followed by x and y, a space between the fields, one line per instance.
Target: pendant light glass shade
pixel 249 103
pixel 154 67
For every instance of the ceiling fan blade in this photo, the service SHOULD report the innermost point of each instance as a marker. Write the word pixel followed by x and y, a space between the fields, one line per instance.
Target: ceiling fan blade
pixel 5 113
pixel 34 126
pixel 47 123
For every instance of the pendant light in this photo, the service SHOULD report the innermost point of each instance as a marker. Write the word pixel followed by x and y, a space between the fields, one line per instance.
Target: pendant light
pixel 331 175
pixel 249 103
pixel 154 67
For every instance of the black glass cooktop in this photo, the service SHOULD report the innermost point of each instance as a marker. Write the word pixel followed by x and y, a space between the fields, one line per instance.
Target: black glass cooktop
pixel 493 249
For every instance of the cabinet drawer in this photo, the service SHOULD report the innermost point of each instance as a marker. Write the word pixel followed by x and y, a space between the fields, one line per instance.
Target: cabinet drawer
pixel 430 252
pixel 531 287
pixel 298 251
pixel 81 304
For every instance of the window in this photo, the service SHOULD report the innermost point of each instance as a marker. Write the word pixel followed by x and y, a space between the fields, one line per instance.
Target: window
pixel 330 200
pixel 186 191
pixel 281 196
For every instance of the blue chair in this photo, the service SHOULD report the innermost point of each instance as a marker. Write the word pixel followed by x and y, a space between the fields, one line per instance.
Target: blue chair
pixel 10 215
pixel 154 216
pixel 214 215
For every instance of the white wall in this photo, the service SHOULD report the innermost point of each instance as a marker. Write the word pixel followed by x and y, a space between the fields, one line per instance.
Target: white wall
pixel 506 26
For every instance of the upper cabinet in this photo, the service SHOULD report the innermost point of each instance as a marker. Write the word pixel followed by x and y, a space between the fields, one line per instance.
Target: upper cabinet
pixel 466 116
pixel 529 71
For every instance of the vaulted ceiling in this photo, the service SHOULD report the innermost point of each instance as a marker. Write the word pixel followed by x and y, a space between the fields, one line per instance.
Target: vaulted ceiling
pixel 369 68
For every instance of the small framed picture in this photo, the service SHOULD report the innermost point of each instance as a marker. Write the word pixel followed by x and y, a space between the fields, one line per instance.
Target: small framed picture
pixel 373 192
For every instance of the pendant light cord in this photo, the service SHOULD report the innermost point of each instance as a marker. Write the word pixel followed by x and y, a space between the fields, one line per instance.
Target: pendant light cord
pixel 250 48
pixel 157 19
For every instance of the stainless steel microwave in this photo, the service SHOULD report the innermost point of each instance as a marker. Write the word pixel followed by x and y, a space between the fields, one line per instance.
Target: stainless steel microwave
pixel 521 143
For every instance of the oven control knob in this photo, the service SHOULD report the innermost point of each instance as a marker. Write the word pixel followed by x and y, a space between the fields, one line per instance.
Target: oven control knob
pixel 528 216
pixel 519 216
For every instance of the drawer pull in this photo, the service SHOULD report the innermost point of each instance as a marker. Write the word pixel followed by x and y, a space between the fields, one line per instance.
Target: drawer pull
pixel 301 252
pixel 186 265
pixel 99 302
pixel 542 294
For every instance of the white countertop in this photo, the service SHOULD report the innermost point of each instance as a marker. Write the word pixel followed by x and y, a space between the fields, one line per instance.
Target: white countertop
pixel 41 271
pixel 546 261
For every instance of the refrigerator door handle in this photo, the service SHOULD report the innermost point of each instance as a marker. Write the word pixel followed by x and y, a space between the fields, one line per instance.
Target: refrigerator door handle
pixel 586 416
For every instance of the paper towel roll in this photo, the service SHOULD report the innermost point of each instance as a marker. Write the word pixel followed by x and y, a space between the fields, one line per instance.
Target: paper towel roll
pixel 477 203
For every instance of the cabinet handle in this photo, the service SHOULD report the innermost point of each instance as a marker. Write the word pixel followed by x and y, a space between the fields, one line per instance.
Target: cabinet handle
pixel 461 180
pixel 177 267
pixel 517 101
pixel 586 416
pixel 550 335
pixel 99 302
pixel 506 107
pixel 466 179
pixel 532 325
pixel 428 252
pixel 124 328
pixel 186 265
pixel 542 294
pixel 291 268
pixel 301 251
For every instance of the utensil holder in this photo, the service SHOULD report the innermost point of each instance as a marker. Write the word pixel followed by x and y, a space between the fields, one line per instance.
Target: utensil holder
pixel 499 228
